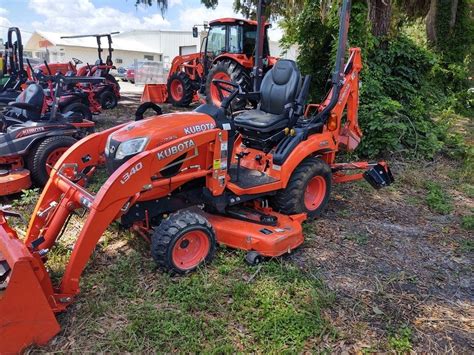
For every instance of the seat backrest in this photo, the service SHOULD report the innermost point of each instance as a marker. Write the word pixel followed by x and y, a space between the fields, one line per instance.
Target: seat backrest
pixel 279 87
pixel 33 95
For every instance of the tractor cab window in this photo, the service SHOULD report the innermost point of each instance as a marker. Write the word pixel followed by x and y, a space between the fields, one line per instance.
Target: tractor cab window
pixel 235 39
pixel 216 40
pixel 249 39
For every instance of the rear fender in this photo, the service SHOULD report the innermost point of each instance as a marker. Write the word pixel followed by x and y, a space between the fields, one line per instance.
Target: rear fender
pixel 315 144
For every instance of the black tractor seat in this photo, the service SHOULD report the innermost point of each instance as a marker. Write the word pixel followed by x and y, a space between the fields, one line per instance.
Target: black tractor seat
pixel 278 93
pixel 28 104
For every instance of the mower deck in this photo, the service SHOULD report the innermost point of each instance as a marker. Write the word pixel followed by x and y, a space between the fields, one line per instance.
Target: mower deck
pixel 268 240
pixel 14 181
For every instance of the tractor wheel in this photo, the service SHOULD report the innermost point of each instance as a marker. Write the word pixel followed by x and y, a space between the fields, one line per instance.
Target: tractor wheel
pixel 183 242
pixel 307 191
pixel 228 70
pixel 108 100
pixel 83 112
pixel 43 157
pixel 180 89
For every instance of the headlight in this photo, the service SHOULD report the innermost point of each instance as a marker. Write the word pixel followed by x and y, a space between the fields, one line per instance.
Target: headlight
pixel 131 147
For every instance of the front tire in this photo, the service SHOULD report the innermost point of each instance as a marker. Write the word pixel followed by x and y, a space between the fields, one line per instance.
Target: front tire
pixel 180 89
pixel 43 157
pixel 108 100
pixel 308 189
pixel 83 112
pixel 183 242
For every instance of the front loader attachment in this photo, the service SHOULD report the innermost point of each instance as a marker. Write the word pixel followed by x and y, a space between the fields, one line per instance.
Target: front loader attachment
pixel 26 316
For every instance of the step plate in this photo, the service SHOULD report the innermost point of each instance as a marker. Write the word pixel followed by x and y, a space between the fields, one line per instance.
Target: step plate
pixel 249 178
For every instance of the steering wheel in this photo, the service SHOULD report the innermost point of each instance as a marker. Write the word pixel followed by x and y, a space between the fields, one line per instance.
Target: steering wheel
pixel 76 61
pixel 145 107
pixel 223 85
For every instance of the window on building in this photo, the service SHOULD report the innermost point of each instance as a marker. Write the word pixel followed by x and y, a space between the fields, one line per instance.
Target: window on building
pixel 118 60
pixel 149 57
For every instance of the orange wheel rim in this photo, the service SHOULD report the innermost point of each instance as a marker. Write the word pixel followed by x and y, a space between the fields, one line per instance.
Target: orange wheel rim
pixel 215 96
pixel 190 249
pixel 315 193
pixel 53 157
pixel 177 90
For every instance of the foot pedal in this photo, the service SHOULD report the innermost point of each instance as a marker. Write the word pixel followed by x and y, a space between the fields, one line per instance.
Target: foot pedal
pixel 379 176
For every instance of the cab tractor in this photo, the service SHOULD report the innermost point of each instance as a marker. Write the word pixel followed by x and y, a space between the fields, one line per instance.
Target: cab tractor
pixel 233 48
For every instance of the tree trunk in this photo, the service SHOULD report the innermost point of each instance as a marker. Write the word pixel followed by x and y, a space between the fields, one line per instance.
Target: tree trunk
pixel 454 11
pixel 380 15
pixel 431 22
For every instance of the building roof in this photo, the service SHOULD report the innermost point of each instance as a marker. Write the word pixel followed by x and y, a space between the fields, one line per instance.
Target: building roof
pixel 125 44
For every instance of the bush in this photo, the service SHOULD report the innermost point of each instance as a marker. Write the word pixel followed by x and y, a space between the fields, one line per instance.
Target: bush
pixel 405 86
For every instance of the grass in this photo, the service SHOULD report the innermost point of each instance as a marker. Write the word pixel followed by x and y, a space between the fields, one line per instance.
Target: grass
pixel 401 340
pixel 467 222
pixel 226 306
pixel 438 199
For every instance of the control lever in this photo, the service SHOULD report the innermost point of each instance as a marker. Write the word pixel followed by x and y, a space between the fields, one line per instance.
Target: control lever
pixel 239 157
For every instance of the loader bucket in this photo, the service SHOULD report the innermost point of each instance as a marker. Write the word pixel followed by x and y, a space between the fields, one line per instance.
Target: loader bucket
pixel 26 316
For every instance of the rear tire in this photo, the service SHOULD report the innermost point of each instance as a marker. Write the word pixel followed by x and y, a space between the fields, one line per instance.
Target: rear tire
pixel 183 242
pixel 237 74
pixel 46 153
pixel 80 109
pixel 308 189
pixel 108 100
pixel 180 89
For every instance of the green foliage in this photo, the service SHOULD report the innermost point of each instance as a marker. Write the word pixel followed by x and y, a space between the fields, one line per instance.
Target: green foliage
pixel 28 197
pixel 400 341
pixel 468 223
pixel 437 199
pixel 406 87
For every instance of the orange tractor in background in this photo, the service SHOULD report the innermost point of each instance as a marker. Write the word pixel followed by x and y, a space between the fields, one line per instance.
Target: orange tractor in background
pixel 235 50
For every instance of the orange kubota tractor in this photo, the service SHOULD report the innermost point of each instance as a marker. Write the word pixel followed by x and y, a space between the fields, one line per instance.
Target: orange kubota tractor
pixel 232 48
pixel 188 181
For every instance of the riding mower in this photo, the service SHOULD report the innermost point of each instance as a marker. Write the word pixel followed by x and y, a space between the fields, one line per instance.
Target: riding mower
pixel 106 93
pixel 31 141
pixel 79 95
pixel 188 181
pixel 14 67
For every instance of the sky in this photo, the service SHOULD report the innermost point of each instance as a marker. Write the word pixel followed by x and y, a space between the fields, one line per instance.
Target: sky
pixel 99 16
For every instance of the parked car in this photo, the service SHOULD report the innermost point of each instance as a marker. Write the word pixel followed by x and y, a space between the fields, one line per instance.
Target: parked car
pixel 119 73
pixel 130 75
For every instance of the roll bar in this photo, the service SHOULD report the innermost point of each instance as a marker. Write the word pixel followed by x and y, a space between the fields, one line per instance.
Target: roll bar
pixel 99 44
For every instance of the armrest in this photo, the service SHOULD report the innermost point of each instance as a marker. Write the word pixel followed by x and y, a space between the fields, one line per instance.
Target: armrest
pixel 254 95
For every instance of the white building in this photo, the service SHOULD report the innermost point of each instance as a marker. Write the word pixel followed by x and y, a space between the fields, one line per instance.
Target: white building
pixel 156 45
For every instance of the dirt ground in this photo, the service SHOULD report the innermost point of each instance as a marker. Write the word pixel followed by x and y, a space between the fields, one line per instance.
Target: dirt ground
pixel 400 273
pixel 394 265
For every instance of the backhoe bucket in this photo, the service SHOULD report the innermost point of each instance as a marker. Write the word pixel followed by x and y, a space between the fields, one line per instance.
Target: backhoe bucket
pixel 26 316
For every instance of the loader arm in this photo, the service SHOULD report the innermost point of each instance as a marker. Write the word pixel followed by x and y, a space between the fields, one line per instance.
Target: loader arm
pixel 63 195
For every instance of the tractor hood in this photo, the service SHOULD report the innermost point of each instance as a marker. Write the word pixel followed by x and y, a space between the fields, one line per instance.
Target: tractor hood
pixel 150 133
